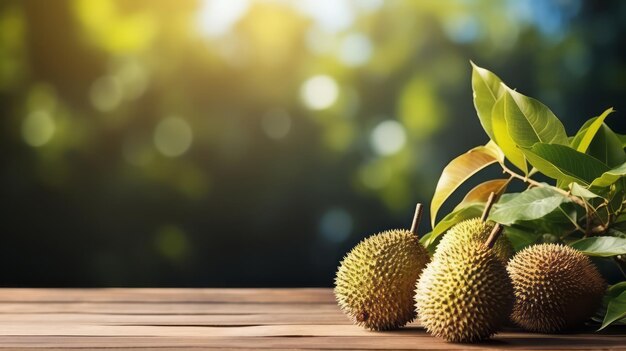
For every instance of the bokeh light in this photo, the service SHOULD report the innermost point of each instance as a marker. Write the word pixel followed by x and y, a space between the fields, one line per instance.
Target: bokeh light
pixel 173 136
pixel 171 242
pixel 375 176
pixel 356 50
pixel 38 128
pixel 319 92
pixel 106 93
pixel 145 141
pixel 137 151
pixel 388 137
pixel 330 15
pixel 217 17
pixel 133 78
pixel 336 225
pixel 276 124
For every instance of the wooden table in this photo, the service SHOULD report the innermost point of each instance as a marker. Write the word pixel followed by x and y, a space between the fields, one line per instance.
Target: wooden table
pixel 224 319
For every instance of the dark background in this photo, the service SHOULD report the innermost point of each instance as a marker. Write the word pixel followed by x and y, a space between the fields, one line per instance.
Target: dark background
pixel 189 143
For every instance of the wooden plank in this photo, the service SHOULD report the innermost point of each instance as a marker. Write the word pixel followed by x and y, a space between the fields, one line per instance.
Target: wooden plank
pixel 168 295
pixel 160 308
pixel 78 329
pixel 321 343
pixel 177 319
pixel 299 319
pixel 312 330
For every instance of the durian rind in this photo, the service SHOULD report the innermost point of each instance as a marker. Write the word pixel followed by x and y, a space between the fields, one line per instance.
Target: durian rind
pixel 375 281
pixel 476 231
pixel 465 294
pixel 556 287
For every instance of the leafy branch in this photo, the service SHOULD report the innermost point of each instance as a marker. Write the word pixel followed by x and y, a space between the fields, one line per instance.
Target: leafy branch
pixel 584 207
pixel 579 201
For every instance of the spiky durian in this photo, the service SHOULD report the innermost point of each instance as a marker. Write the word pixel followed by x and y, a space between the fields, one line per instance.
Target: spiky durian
pixel 464 293
pixel 375 281
pixel 556 287
pixel 474 230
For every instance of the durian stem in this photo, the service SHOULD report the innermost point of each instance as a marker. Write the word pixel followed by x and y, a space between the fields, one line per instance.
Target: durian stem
pixel 488 205
pixel 495 233
pixel 417 218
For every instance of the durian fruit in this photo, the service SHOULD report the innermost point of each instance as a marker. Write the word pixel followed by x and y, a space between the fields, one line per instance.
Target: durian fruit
pixel 464 293
pixel 474 230
pixel 556 287
pixel 375 281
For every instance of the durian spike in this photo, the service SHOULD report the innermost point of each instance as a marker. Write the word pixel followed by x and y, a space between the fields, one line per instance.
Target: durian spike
pixel 495 233
pixel 488 205
pixel 417 217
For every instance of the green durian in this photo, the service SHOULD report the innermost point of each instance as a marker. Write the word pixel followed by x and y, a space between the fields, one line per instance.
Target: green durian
pixel 464 293
pixel 375 281
pixel 477 231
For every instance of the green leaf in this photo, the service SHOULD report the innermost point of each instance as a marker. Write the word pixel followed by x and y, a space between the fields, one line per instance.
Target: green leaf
pixel 426 238
pixel 557 222
pixel 607 147
pixel 481 192
pixel 616 310
pixel 609 177
pixel 520 237
pixel 487 89
pixel 471 211
pixel 587 135
pixel 528 205
pixel 616 230
pixel 503 138
pixel 458 171
pixel 616 194
pixel 564 163
pixel 530 122
pixel 569 213
pixel 601 246
pixel 622 138
pixel 616 289
pixel 583 192
pixel 612 292
pixel 604 144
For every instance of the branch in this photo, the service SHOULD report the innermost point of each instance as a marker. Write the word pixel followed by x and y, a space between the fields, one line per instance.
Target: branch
pixel 535 183
pixel 567 194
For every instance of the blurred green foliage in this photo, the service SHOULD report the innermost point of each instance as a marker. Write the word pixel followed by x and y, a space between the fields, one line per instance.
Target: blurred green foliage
pixel 251 143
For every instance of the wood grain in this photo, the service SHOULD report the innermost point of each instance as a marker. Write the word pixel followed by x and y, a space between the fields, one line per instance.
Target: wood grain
pixel 176 319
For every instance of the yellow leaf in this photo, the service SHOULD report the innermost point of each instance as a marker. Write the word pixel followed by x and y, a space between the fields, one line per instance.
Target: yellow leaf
pixel 458 171
pixel 481 192
pixel 492 148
